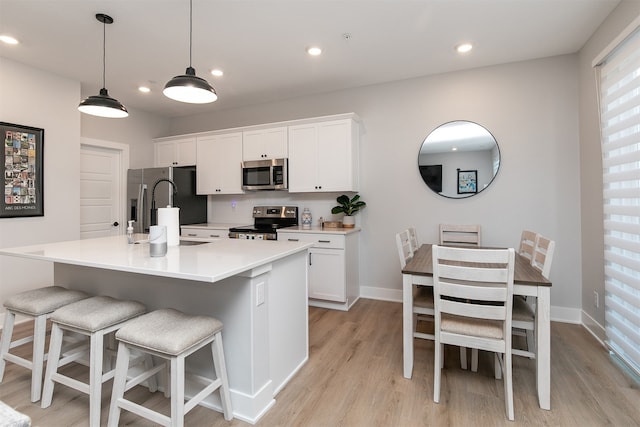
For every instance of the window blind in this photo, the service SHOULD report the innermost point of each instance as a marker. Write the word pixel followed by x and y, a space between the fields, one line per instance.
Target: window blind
pixel 620 127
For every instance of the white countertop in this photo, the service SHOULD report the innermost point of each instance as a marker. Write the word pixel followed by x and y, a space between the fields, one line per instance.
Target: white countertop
pixel 208 262
pixel 215 225
pixel 319 230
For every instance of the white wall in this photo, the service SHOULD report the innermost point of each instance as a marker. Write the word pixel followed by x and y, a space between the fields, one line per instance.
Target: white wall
pixel 137 131
pixel 37 98
pixel 591 166
pixel 530 107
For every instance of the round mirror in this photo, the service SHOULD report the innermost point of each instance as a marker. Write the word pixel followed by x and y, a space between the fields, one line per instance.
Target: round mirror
pixel 459 159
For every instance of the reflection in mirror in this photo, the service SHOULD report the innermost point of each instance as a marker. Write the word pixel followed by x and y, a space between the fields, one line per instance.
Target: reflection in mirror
pixel 459 159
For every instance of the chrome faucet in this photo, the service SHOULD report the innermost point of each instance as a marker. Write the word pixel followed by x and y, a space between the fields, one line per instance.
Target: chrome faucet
pixel 154 211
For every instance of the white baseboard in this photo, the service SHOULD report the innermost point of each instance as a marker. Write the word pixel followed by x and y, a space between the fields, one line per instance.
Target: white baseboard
pixel 595 328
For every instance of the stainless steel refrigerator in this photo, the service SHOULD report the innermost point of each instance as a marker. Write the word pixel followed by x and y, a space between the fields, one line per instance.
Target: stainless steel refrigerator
pixel 140 186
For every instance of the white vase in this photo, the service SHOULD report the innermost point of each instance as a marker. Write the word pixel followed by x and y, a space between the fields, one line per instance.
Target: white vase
pixel 349 221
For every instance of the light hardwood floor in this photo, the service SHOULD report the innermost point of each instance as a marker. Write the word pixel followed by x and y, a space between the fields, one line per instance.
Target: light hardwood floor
pixel 354 378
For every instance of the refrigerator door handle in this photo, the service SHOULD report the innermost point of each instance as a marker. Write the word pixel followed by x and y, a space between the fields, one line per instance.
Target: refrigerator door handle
pixel 140 210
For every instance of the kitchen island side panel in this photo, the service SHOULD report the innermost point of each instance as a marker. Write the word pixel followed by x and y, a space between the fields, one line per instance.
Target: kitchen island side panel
pixel 252 343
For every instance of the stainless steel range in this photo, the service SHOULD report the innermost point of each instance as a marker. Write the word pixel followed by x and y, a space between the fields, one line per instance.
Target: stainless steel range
pixel 267 219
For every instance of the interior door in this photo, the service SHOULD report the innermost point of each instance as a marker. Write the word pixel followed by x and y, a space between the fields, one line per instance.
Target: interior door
pixel 101 212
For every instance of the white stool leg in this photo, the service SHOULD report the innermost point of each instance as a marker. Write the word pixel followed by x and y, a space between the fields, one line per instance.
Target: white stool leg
pixel 95 377
pixel 5 344
pixel 177 391
pixel 39 337
pixel 220 368
pixel 55 346
pixel 474 360
pixel 119 383
pixel 463 357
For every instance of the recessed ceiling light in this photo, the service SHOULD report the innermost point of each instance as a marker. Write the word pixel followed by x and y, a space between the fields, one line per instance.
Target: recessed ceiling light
pixel 216 72
pixel 144 89
pixel 314 51
pixel 8 39
pixel 464 47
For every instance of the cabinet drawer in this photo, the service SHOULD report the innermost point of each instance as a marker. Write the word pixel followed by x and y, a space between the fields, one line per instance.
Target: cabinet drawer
pixel 205 233
pixel 329 241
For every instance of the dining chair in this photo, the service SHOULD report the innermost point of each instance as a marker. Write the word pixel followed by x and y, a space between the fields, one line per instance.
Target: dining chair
pixel 460 234
pixel 403 244
pixel 413 239
pixel 527 244
pixel 473 295
pixel 524 311
pixel 422 295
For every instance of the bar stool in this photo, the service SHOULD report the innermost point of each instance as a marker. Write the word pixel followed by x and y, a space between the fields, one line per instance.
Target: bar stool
pixel 37 304
pixel 171 335
pixel 95 318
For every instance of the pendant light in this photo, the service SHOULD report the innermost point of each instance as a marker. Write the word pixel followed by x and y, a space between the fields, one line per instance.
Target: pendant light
pixel 103 105
pixel 189 87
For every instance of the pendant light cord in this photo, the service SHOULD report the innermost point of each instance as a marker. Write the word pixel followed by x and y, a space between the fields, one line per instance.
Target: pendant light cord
pixel 104 53
pixel 190 30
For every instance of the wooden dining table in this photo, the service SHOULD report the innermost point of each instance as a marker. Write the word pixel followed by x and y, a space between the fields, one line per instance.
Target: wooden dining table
pixel 528 281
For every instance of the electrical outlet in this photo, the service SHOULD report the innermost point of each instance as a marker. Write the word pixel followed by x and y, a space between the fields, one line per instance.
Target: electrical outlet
pixel 259 294
pixel 596 299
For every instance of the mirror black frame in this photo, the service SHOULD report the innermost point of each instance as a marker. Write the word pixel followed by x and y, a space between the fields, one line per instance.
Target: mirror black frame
pixel 467 175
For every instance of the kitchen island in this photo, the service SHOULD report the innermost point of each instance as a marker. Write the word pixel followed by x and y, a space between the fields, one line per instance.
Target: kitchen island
pixel 257 289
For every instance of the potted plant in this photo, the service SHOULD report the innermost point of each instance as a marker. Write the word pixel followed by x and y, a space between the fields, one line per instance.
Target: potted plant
pixel 349 207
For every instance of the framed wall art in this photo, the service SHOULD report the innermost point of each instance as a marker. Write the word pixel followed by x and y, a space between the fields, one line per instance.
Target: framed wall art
pixel 467 181
pixel 22 161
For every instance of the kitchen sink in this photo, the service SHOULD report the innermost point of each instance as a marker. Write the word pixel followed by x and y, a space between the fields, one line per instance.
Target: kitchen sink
pixel 192 242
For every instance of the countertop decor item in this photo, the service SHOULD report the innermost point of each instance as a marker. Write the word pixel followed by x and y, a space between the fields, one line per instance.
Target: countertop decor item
pixel 103 105
pixel 349 207
pixel 188 87
pixel 306 218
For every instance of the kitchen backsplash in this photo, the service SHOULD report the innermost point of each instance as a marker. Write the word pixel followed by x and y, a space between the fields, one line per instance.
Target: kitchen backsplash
pixel 239 208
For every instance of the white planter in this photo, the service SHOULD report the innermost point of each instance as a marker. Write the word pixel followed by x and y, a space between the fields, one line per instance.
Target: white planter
pixel 349 221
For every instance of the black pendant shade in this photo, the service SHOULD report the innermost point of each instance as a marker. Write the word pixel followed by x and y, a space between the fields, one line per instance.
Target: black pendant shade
pixel 188 87
pixel 103 105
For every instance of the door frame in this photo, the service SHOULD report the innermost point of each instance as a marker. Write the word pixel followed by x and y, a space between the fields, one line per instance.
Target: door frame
pixel 123 151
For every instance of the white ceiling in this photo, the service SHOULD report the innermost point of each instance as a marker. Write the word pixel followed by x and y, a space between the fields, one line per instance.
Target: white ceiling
pixel 261 44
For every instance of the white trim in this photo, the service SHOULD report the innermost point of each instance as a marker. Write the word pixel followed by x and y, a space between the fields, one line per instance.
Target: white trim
pixel 594 328
pixel 625 34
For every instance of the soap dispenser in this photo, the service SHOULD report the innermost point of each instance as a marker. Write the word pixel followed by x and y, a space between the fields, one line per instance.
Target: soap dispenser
pixel 130 232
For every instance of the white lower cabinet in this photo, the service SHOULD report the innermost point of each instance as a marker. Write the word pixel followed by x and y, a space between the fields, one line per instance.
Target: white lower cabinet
pixel 201 233
pixel 333 267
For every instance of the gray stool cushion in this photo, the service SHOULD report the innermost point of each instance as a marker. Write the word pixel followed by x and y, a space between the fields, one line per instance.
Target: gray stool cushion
pixel 168 331
pixel 95 313
pixel 43 300
pixel 9 417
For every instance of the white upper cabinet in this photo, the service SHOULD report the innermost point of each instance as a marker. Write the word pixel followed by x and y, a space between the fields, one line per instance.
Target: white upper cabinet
pixel 218 169
pixel 264 144
pixel 176 152
pixel 323 156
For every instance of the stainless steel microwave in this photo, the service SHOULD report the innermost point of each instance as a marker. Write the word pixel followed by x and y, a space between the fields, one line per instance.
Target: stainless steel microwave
pixel 265 175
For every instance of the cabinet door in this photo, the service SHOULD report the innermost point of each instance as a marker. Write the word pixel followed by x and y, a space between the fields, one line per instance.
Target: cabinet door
pixel 164 154
pixel 264 144
pixel 179 152
pixel 335 156
pixel 303 158
pixel 186 152
pixel 327 274
pixel 218 164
